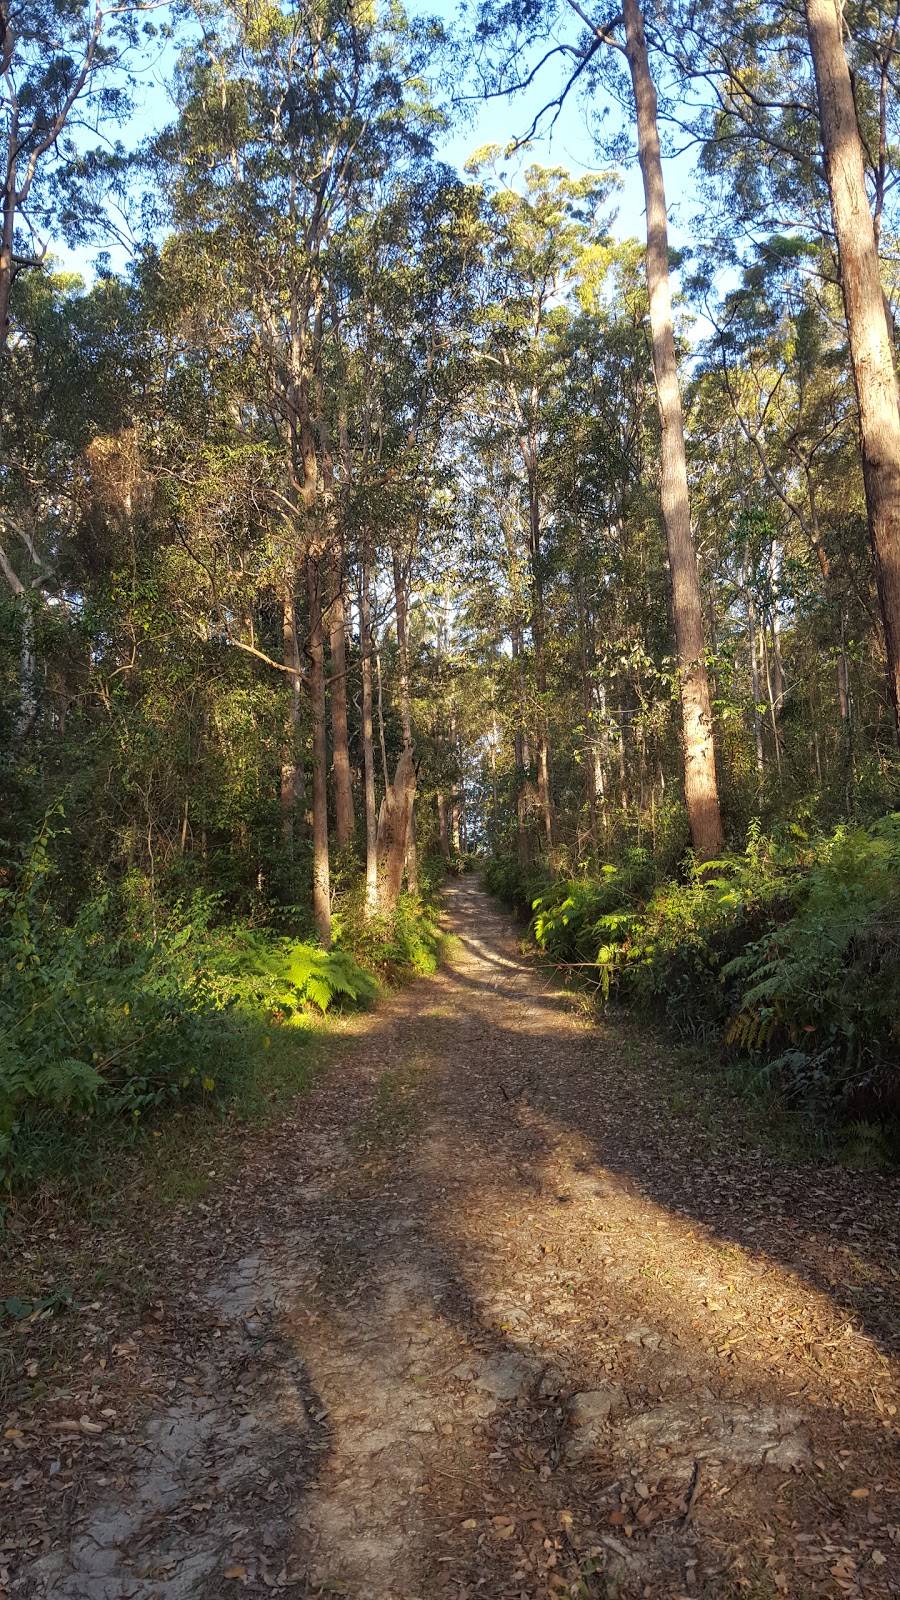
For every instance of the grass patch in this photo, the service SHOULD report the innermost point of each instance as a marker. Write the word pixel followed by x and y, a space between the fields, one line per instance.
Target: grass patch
pixel 166 1157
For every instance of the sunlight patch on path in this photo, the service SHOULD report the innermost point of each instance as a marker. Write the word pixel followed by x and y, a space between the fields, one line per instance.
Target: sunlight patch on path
pixel 496 1352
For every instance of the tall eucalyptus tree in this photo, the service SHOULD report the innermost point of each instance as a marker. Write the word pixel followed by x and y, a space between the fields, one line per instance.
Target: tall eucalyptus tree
pixel 284 116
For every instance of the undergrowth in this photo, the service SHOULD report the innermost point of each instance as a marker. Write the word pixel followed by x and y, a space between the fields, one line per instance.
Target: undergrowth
pixel 786 956
pixel 131 1013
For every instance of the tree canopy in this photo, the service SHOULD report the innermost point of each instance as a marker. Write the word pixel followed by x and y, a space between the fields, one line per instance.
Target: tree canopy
pixel 377 514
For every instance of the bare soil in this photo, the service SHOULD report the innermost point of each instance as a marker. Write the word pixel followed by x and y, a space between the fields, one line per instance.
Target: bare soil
pixel 490 1314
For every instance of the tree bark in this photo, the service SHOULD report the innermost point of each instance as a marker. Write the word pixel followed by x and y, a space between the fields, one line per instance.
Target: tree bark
pixel 393 831
pixel 443 830
pixel 402 613
pixel 365 650
pixel 770 698
pixel 540 655
pixel 755 688
pixel 321 871
pixel 700 783
pixel 521 751
pixel 382 743
pixel 291 770
pixel 344 819
pixel 587 702
pixel 871 354
pixel 7 222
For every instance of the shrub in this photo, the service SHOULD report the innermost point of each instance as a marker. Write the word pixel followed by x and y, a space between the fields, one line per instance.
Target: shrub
pixel 392 943
pixel 114 1017
pixel 820 995
pixel 282 977
pixel 517 886
pixel 789 954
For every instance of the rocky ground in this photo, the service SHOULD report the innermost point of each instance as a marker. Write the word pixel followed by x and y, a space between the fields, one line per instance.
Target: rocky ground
pixel 491 1315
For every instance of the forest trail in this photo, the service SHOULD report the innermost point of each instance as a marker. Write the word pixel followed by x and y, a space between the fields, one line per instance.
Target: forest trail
pixel 490 1316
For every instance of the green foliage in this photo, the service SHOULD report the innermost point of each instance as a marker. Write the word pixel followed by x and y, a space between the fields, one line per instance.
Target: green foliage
pixel 114 1016
pixel 94 1022
pixel 789 954
pixel 392 943
pixel 820 994
pixel 281 977
pixel 517 886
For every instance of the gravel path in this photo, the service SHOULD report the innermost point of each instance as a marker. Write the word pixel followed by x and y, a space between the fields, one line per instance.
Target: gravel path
pixel 493 1315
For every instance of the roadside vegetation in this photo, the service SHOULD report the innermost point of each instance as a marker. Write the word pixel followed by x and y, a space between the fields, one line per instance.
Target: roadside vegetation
pixel 359 512
pixel 786 958
pixel 137 1007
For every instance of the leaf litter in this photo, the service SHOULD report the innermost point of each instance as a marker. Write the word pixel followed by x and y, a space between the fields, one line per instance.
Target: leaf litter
pixel 481 1317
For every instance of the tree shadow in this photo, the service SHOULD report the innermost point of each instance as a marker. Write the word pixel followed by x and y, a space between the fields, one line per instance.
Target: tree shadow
pixel 549 1228
pixel 705 1469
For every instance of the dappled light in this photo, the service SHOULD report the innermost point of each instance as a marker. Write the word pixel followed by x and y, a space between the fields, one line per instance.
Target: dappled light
pixel 507 1329
pixel 449 800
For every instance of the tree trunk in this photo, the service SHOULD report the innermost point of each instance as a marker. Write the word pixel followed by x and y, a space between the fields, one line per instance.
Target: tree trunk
pixel 291 770
pixel 495 816
pixel 455 830
pixel 443 830
pixel 870 348
pixel 393 831
pixel 381 739
pixel 365 645
pixel 755 688
pixel 770 699
pixel 590 741
pixel 344 820
pixel 321 871
pixel 400 595
pixel 7 231
pixel 601 754
pixel 522 754
pixel 778 683
pixel 540 656
pixel 700 784
pixel 843 684
pixel 412 852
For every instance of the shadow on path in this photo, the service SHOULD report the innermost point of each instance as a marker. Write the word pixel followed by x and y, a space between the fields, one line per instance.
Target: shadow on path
pixel 505 1327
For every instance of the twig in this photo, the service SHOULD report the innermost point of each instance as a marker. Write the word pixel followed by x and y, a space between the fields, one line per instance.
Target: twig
pixel 693 1492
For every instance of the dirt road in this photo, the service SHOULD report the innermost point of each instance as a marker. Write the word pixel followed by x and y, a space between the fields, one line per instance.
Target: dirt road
pixel 497 1314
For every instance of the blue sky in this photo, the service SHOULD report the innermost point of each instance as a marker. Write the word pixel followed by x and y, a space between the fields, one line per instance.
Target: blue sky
pixel 569 144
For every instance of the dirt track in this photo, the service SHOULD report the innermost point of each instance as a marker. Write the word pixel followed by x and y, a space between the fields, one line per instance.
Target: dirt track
pixel 488 1317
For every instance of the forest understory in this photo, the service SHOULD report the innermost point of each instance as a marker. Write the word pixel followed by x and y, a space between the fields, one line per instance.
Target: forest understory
pixel 496 1308
pixel 377 504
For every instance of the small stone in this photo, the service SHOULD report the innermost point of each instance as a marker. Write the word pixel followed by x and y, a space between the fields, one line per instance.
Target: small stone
pixel 589 1412
pixel 593 1406
pixel 507 1376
